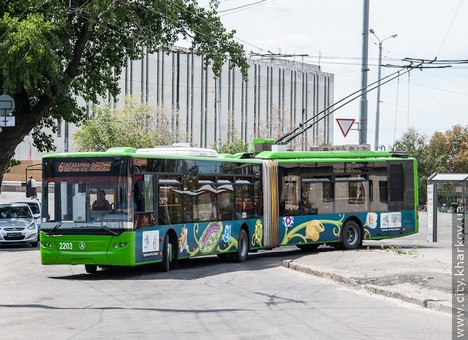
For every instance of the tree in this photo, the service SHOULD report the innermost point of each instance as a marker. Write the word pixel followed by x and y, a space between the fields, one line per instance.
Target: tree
pixel 53 52
pixel 232 144
pixel 236 146
pixel 415 144
pixel 445 152
pixel 135 125
pixel 457 146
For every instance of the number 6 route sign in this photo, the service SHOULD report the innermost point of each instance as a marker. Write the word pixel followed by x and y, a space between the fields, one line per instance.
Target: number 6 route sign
pixel 345 124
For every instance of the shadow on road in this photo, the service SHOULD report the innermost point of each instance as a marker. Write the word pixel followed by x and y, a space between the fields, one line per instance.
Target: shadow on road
pixel 195 268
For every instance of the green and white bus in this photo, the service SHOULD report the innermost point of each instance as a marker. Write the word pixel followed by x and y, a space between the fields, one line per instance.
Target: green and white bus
pixel 177 202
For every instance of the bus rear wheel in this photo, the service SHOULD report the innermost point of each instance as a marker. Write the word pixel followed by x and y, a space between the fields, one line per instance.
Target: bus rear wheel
pixel 242 246
pixel 351 235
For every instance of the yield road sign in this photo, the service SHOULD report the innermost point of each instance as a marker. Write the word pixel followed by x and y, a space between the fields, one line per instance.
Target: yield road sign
pixel 345 124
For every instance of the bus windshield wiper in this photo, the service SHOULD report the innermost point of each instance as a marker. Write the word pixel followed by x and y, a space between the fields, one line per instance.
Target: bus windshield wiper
pixel 106 228
pixel 54 229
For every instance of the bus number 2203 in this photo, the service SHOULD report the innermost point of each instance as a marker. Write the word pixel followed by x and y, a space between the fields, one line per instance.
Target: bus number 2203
pixel 65 246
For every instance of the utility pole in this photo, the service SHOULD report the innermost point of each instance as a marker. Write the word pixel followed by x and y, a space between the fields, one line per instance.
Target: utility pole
pixel 364 69
pixel 379 75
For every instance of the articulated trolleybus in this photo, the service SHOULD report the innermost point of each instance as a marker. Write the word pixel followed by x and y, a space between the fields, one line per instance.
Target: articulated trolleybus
pixel 131 207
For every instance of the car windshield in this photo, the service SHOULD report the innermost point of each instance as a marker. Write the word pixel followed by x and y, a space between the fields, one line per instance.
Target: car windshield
pixel 15 212
pixel 34 208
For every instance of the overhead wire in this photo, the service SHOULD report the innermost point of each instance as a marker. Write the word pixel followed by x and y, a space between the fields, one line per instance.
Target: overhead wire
pixel 285 139
pixel 450 27
pixel 242 8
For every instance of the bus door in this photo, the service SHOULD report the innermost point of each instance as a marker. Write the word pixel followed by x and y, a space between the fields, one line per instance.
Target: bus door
pixel 143 196
pixel 270 204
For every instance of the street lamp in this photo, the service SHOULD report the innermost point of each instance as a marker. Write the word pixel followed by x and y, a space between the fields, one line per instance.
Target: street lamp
pixel 377 113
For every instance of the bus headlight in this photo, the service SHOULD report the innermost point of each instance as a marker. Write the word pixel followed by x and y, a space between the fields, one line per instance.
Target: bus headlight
pixel 120 245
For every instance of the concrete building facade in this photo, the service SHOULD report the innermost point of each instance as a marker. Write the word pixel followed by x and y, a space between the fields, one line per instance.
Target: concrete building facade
pixel 276 97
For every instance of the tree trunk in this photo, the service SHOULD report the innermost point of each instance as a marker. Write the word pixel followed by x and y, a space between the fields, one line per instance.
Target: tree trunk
pixel 26 118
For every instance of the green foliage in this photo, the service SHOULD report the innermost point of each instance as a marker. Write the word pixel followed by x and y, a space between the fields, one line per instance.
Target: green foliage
pixel 12 163
pixel 232 144
pixel 415 144
pixel 444 152
pixel 401 251
pixel 135 125
pixel 236 146
pixel 54 51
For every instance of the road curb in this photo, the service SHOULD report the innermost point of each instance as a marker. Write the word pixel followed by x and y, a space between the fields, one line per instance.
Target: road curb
pixel 438 305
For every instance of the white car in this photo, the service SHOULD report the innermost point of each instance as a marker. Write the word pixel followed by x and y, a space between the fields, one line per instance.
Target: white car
pixel 17 224
pixel 35 206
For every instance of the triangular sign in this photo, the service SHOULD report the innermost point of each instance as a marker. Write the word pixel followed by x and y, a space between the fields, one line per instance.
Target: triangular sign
pixel 345 124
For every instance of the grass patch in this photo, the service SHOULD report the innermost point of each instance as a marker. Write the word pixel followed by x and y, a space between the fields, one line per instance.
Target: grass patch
pixel 399 250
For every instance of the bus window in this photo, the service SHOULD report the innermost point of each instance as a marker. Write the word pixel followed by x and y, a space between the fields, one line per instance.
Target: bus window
pixel 258 198
pixel 290 195
pixel 351 194
pixel 378 182
pixel 169 200
pixel 244 198
pixel 328 192
pixel 383 191
pixel 356 193
pixel 138 192
pixel 317 195
pixel 206 206
pixel 225 200
pixel 48 205
pixel 148 193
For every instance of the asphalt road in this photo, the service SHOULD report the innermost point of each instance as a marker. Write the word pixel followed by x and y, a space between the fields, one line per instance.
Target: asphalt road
pixel 204 299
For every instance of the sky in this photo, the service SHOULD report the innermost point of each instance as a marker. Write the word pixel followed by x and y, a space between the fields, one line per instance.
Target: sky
pixel 330 34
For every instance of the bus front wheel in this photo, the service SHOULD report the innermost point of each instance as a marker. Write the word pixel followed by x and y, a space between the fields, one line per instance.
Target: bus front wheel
pixel 167 254
pixel 242 246
pixel 351 235
pixel 90 268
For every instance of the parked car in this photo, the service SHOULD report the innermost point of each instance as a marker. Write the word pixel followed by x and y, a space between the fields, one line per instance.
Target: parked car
pixel 17 224
pixel 35 206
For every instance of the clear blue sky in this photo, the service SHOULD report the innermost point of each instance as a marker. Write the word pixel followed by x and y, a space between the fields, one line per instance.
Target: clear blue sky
pixel 430 100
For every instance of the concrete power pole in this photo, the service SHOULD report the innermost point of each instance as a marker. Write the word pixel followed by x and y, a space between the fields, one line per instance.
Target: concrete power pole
pixel 364 69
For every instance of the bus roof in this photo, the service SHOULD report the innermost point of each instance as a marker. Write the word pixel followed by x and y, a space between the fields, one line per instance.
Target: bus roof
pixel 320 155
pixel 180 151
pixel 190 152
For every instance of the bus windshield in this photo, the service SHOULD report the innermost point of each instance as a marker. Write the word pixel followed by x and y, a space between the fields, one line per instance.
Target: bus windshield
pixel 87 200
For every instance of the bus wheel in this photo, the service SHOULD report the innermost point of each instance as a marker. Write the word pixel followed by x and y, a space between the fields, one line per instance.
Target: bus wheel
pixel 90 268
pixel 351 235
pixel 167 254
pixel 307 247
pixel 242 246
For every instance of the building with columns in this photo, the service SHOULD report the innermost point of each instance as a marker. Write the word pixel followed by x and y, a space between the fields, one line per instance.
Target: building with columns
pixel 278 95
